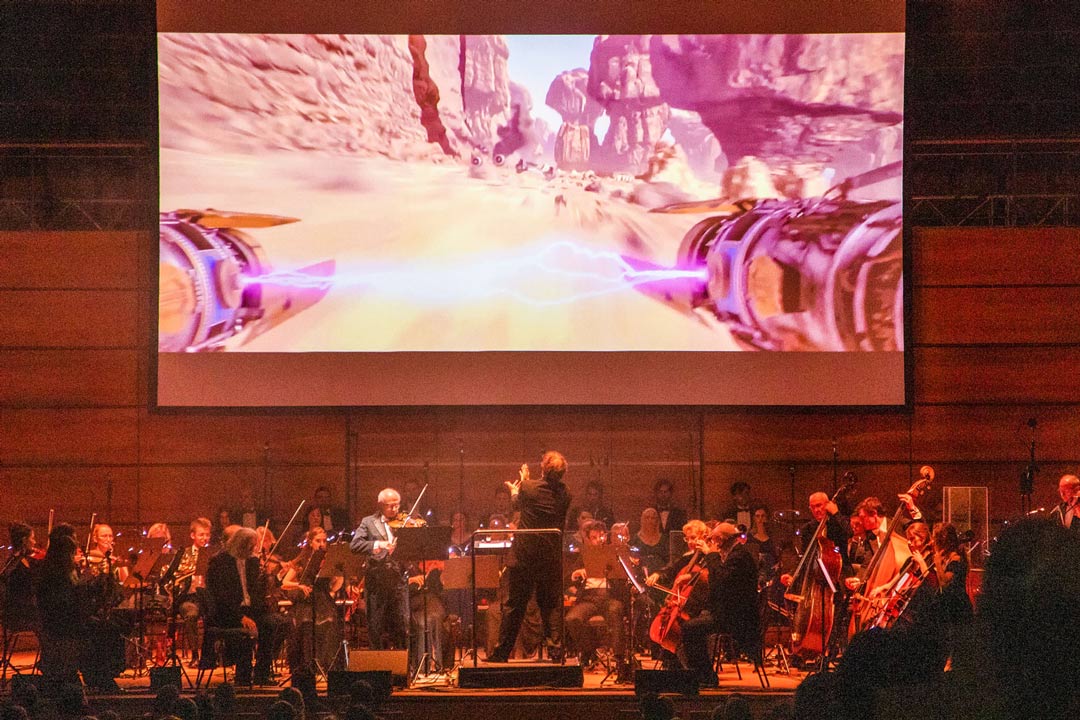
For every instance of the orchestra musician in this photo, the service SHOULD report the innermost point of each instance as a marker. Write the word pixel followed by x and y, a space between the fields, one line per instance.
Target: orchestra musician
pixel 312 596
pixel 20 612
pixel 672 517
pixel 64 611
pixel 1065 513
pixel 236 588
pixel 534 561
pixel 103 575
pixel 183 578
pixel 732 606
pixel 102 556
pixel 836 530
pixel 595 596
pixel 693 530
pixel 384 580
pixel 331 518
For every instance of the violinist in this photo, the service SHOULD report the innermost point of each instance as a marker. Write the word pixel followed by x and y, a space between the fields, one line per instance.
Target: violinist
pixel 183 578
pixel 1065 513
pixel 460 535
pixel 384 580
pixel 732 606
pixel 311 596
pixel 20 609
pixel 64 611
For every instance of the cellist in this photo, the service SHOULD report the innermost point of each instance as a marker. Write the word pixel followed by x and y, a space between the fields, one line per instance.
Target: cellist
pixel 732 606
pixel 677 572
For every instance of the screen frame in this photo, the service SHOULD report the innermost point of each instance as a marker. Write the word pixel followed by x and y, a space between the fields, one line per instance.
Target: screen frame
pixel 510 17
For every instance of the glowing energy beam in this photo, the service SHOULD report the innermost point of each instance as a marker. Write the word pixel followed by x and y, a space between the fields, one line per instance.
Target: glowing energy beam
pixel 559 273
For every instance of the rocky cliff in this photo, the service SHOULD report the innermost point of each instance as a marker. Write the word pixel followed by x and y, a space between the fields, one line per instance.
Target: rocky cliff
pixel 403 97
pixel 621 80
pixel 798 102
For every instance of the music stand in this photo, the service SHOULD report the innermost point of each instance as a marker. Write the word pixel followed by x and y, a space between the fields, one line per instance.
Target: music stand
pixel 458 575
pixel 601 561
pixel 418 545
pixel 339 561
pixel 677 546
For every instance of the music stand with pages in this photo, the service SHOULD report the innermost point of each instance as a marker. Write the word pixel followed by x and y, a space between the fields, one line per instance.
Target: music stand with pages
pixel 419 545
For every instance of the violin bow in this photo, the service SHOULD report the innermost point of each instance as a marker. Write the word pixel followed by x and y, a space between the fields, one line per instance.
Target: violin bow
pixel 417 503
pixel 289 525
pixel 90 535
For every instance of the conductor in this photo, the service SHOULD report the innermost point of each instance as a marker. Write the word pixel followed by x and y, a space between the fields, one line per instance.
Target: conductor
pixel 534 560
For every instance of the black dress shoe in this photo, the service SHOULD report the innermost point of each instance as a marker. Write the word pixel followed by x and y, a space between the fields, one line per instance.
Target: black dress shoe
pixel 497 657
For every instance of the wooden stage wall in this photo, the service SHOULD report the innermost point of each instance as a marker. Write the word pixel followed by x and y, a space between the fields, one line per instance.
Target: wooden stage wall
pixel 995 343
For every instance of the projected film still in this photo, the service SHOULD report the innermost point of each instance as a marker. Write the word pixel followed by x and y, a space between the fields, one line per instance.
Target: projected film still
pixel 567 195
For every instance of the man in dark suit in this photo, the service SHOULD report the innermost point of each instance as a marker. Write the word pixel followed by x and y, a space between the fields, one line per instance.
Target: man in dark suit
pixel 672 518
pixel 236 589
pixel 732 606
pixel 1065 513
pixel 334 520
pixel 384 582
pixel 535 559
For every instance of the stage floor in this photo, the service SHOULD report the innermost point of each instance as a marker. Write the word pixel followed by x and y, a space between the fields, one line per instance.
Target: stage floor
pixel 438 696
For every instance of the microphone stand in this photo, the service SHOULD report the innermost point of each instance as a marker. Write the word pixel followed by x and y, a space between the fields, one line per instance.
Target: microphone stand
pixel 1027 477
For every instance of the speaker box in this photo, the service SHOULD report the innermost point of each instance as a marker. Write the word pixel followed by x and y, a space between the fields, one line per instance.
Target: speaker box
pixel 684 682
pixel 521 675
pixel 395 661
pixel 338 682
pixel 162 676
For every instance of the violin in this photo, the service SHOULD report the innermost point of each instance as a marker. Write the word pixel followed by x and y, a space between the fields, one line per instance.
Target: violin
pixel 404 519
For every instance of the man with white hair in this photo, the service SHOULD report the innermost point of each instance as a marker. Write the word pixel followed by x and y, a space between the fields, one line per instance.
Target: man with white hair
pixel 237 590
pixel 1065 513
pixel 384 582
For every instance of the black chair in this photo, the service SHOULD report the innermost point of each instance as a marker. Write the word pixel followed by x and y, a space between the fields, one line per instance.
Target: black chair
pixel 220 640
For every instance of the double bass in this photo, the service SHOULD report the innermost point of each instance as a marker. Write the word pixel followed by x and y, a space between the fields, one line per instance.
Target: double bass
pixel 889 556
pixel 811 591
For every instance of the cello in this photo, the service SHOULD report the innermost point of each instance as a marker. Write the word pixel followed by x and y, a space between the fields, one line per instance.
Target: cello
pixel 684 601
pixel 889 556
pixel 811 591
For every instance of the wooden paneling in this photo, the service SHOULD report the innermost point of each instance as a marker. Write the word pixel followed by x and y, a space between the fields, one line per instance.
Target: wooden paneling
pixel 997 315
pixel 74 492
pixel 995 256
pixel 69 318
pixel 242 438
pixel 787 436
pixel 69 436
pixel 70 260
pixel 997 374
pixel 994 433
pixel 68 377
